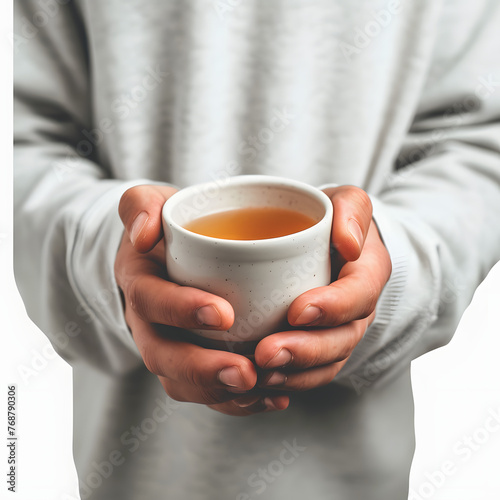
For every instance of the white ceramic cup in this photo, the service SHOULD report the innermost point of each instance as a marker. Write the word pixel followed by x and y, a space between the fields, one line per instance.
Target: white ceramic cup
pixel 259 278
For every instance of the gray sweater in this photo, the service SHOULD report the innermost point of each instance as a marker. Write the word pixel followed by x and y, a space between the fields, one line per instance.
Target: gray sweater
pixel 399 98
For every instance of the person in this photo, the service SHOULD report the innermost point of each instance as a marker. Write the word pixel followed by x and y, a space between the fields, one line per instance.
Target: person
pixel 391 107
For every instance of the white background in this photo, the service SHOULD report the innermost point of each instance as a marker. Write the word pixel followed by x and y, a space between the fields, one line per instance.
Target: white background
pixel 456 388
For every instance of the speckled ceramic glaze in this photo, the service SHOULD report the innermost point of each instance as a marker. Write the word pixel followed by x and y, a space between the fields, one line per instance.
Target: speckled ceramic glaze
pixel 260 278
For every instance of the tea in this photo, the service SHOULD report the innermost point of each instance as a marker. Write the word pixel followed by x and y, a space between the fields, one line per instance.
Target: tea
pixel 252 223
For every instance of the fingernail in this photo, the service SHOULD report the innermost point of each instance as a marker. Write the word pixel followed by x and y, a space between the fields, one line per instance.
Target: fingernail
pixel 246 402
pixel 208 316
pixel 276 378
pixel 270 404
pixel 137 226
pixel 281 358
pixel 355 230
pixel 231 377
pixel 308 315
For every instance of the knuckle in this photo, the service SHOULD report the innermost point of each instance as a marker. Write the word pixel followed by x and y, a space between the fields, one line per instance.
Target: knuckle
pixel 190 373
pixel 156 309
pixel 300 383
pixel 135 297
pixel 362 199
pixel 174 392
pixel 348 194
pixel 342 317
pixel 209 396
pixel 150 360
pixel 313 353
pixel 345 350
pixel 367 202
pixel 127 199
pixel 170 313
pixel 342 313
pixel 174 308
pixel 372 292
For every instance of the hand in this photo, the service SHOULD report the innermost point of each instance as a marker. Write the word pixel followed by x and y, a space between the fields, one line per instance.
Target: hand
pixel 334 318
pixel 157 312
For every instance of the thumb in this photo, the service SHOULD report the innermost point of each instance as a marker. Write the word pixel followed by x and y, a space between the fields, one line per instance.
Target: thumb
pixel 352 215
pixel 140 211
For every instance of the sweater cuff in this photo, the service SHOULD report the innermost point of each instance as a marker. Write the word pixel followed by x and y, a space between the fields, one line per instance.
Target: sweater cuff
pixel 91 267
pixel 408 304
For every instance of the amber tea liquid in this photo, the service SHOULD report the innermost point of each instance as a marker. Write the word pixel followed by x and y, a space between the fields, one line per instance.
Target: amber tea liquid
pixel 252 223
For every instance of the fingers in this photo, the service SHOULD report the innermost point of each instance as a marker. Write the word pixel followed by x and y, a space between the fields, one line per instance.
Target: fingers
pixel 301 360
pixel 159 301
pixel 302 349
pixel 140 211
pixel 251 404
pixel 353 296
pixel 149 295
pixel 303 380
pixel 192 373
pixel 189 372
pixel 352 215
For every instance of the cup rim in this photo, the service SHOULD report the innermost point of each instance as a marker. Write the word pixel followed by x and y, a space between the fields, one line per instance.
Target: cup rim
pixel 239 180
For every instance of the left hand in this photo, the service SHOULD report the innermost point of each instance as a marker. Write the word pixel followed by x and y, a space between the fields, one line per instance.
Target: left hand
pixel 334 318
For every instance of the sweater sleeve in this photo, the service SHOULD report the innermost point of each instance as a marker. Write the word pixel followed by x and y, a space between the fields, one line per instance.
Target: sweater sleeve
pixel 67 228
pixel 438 211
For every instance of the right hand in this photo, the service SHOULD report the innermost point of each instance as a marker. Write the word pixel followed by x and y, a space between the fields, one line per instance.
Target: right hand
pixel 157 312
